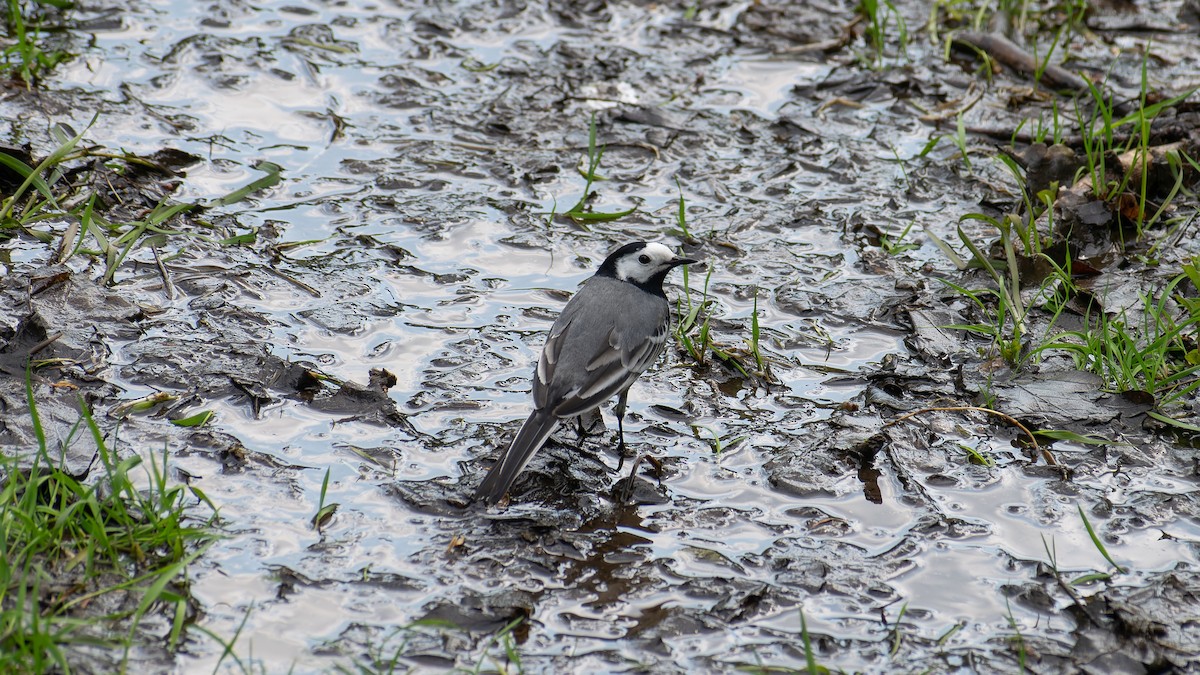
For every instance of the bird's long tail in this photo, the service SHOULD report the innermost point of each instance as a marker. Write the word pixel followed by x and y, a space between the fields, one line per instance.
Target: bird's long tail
pixel 530 438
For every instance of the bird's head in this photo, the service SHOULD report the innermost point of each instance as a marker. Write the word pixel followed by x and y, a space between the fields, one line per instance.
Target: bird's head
pixel 642 264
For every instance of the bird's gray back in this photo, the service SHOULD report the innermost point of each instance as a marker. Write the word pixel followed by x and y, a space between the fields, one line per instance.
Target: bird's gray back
pixel 605 337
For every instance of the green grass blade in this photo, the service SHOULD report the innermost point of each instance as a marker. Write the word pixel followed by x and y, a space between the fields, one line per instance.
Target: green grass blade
pixel 272 179
pixel 27 173
pixel 1096 540
pixel 197 420
pixel 591 217
pixel 38 431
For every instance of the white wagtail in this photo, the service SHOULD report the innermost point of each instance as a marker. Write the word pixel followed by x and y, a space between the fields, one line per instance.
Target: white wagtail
pixel 612 330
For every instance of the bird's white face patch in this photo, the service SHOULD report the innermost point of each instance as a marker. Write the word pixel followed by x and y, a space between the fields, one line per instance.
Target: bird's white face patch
pixel 644 263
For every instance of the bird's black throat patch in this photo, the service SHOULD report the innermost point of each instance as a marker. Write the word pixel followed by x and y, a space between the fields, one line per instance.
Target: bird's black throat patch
pixel 653 285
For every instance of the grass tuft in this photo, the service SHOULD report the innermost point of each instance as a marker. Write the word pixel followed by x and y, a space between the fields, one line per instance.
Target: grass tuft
pixel 66 542
pixel 27 57
pixel 46 196
pixel 580 213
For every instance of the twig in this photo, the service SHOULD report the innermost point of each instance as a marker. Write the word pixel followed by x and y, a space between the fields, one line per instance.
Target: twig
pixel 294 281
pixel 1075 597
pixel 44 343
pixel 953 111
pixel 168 286
pixel 1010 419
pixel 1005 51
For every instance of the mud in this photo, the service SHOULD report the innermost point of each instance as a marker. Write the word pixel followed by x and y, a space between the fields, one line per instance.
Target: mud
pixel 381 326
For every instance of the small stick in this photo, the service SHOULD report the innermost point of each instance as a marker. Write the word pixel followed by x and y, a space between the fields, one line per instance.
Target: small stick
pixel 1007 52
pixel 44 343
pixel 627 493
pixel 168 286
pixel 1010 419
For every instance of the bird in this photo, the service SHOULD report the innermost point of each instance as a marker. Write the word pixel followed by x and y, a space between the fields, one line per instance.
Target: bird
pixel 610 332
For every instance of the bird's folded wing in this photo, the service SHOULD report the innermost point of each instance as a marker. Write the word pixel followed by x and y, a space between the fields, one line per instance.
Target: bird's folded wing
pixel 548 362
pixel 610 370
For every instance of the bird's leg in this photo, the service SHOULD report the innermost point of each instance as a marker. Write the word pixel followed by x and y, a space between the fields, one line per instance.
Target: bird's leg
pixel 619 410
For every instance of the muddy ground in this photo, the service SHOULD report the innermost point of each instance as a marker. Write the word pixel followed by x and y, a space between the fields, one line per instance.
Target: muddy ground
pixel 427 154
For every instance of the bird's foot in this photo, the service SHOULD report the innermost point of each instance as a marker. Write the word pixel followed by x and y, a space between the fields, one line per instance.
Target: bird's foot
pixel 622 454
pixel 586 423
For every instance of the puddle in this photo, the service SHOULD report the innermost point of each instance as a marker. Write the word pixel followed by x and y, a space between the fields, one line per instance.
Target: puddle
pixel 760 86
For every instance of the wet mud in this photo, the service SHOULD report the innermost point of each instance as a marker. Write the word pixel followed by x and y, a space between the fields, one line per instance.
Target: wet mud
pixel 364 331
